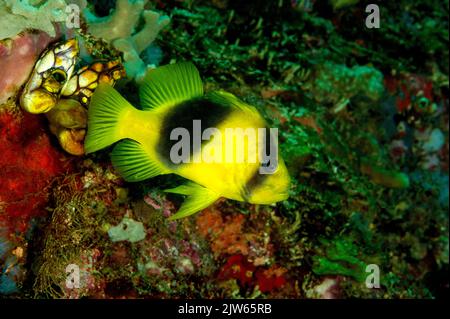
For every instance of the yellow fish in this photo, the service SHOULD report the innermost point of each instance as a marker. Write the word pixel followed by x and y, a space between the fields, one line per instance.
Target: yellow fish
pixel 222 162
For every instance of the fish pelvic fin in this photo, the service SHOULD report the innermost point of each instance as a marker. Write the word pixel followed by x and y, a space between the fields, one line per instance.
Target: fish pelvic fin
pixel 199 198
pixel 107 115
pixel 169 85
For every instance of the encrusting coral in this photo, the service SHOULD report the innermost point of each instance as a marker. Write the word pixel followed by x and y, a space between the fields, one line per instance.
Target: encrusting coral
pixel 128 229
pixel 28 166
pixel 17 58
pixel 120 27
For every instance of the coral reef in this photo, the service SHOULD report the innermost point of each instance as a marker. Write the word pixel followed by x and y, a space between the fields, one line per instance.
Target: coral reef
pixel 128 229
pixel 75 234
pixel 18 16
pixel 121 30
pixel 68 119
pixel 337 84
pixel 341 259
pixel 29 165
pixel 17 58
pixel 346 181
pixel 227 236
pixel 55 89
pixel 246 274
pixel 363 129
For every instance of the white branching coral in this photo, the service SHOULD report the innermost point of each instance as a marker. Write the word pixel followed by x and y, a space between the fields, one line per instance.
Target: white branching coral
pixel 18 16
pixel 121 30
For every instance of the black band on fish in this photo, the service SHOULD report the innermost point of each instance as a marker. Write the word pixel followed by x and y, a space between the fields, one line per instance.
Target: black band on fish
pixel 210 114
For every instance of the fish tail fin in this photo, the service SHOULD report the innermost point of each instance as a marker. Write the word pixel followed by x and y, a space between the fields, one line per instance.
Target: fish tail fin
pixel 107 115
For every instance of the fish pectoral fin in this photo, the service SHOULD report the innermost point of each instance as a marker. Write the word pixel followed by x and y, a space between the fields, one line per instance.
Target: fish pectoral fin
pixel 133 163
pixel 169 85
pixel 199 198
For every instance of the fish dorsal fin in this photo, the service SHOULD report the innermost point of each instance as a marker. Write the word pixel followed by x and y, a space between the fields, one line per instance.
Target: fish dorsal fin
pixel 133 163
pixel 199 198
pixel 169 85
pixel 226 98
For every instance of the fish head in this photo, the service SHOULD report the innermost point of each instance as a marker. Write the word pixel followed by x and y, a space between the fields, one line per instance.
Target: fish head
pixel 271 187
pixel 49 77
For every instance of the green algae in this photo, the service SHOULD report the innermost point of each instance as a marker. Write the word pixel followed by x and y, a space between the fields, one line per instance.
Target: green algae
pixel 341 259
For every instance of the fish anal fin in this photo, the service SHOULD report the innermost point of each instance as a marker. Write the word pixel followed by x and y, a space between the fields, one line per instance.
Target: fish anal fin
pixel 198 199
pixel 133 162
pixel 169 85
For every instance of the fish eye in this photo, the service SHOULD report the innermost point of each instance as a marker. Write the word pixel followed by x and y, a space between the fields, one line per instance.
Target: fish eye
pixel 59 75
